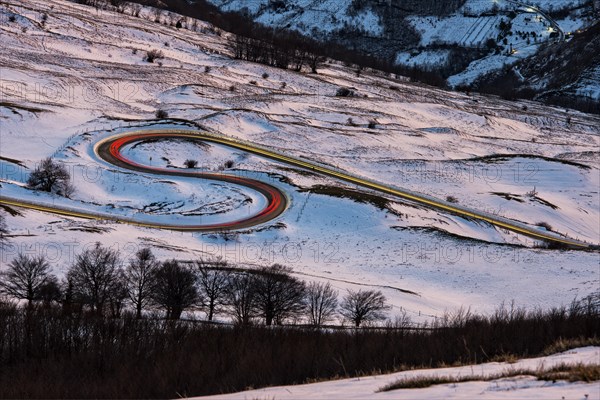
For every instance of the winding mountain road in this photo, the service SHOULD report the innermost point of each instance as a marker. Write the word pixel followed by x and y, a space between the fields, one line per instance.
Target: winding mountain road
pixel 110 150
pixel 544 14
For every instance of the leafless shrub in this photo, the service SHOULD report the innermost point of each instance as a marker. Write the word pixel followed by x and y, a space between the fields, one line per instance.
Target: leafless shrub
pixel 152 55
pixel 344 92
pixel 321 303
pixel 174 288
pixel 25 277
pixel 136 9
pixel 161 114
pixel 50 291
pixel 139 279
pixel 51 176
pixel 532 193
pixel 278 295
pixel 314 61
pixel 157 14
pixel 364 306
pixel 213 278
pixel 189 163
pixel 240 297
pixel 95 277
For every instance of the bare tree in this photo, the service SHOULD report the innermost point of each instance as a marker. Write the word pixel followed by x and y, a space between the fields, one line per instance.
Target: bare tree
pixel 364 306
pixel 161 114
pixel 120 5
pixel 314 61
pixel 117 296
pixel 212 284
pixel 50 291
pixel 70 304
pixel 94 277
pixel 135 9
pixel 51 176
pixel 25 277
pixel 189 163
pixel 240 297
pixel 3 230
pixel 174 288
pixel 157 14
pixel 278 294
pixel 139 279
pixel 321 303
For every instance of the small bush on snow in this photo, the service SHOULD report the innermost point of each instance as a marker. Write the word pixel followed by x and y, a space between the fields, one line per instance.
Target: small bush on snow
pixel 190 163
pixel 344 92
pixel 152 55
pixel 161 114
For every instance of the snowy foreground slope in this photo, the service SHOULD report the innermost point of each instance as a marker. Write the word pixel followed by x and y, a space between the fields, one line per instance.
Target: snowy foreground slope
pixel 518 387
pixel 74 75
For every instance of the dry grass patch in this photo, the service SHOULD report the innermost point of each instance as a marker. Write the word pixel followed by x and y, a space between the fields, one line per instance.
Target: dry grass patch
pixel 567 372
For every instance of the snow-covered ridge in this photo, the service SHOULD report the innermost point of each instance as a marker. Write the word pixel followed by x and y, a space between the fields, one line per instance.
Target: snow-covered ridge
pixel 82 75
pixel 517 29
pixel 307 16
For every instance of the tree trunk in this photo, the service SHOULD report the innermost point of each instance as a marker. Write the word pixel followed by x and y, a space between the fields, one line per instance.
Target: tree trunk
pixel 138 310
pixel 176 313
pixel 211 310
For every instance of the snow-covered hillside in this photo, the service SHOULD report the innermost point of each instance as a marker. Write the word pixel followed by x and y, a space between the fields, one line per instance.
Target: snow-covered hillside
pixel 75 74
pixel 323 16
pixel 516 31
pixel 307 16
pixel 516 28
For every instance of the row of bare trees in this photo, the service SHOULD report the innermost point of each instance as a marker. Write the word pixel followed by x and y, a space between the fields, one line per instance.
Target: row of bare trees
pixel 45 353
pixel 281 50
pixel 97 283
